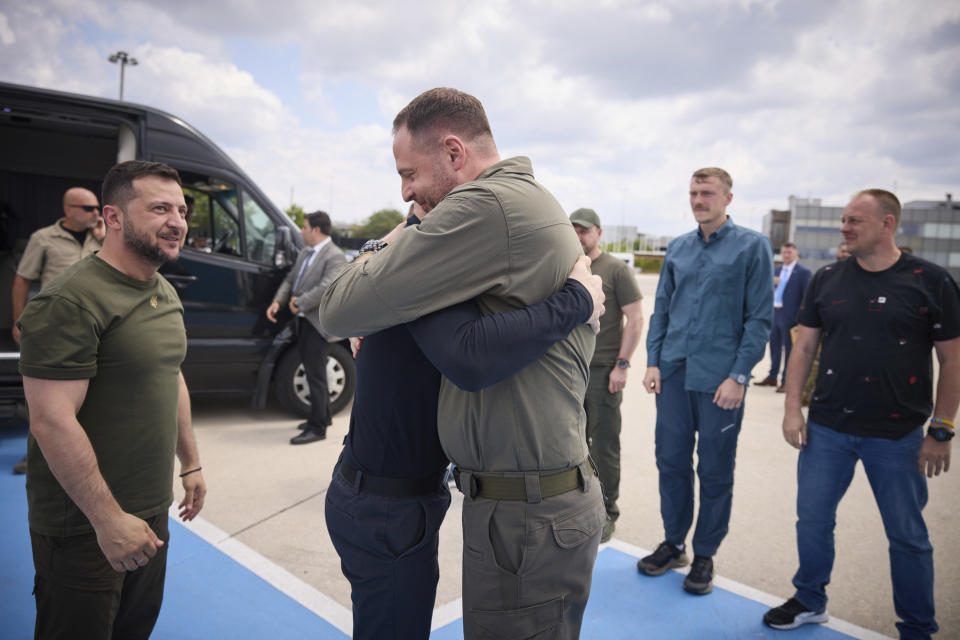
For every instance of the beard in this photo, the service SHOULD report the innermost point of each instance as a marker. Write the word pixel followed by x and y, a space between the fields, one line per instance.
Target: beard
pixel 140 244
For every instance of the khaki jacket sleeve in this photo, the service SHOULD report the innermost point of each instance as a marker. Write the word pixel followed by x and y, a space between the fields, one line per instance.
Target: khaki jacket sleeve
pixel 30 266
pixel 457 253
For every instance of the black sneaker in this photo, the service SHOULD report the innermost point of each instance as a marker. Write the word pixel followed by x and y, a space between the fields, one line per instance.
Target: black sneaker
pixel 665 557
pixel 699 581
pixel 791 614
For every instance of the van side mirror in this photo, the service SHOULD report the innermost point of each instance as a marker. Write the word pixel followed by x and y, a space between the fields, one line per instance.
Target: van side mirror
pixel 285 252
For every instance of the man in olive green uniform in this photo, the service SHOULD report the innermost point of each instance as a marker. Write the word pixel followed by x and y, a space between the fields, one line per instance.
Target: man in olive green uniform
pixel 533 512
pixel 620 329
pixel 101 348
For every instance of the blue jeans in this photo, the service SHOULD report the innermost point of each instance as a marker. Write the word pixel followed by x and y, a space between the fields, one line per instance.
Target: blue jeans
pixel 824 471
pixel 684 418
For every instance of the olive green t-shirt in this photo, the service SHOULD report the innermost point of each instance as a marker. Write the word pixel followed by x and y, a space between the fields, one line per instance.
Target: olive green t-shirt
pixel 126 336
pixel 620 288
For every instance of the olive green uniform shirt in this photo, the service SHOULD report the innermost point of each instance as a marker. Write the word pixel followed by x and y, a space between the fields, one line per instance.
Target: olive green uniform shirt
pixel 504 240
pixel 620 288
pixel 51 250
pixel 126 336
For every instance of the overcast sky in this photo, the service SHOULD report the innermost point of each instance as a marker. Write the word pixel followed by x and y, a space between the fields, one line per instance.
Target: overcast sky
pixel 616 102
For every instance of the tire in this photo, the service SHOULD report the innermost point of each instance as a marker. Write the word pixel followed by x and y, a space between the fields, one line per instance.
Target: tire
pixel 290 381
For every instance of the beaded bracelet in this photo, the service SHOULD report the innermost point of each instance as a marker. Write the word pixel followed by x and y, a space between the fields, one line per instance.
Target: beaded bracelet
pixel 942 421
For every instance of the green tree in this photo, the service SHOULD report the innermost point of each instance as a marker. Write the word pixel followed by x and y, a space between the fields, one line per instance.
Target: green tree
pixel 296 213
pixel 378 224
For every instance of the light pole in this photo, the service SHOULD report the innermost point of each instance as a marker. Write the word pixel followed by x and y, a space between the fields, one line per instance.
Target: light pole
pixel 124 59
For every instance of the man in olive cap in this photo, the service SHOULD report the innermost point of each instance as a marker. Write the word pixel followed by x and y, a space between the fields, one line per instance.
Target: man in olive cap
pixel 620 329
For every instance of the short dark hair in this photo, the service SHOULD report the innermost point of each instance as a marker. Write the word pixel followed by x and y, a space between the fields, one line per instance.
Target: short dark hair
pixel 788 244
pixel 444 108
pixel 319 220
pixel 118 188
pixel 887 203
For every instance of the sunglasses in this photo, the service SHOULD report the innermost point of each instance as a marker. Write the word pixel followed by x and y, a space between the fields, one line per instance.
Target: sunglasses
pixel 86 207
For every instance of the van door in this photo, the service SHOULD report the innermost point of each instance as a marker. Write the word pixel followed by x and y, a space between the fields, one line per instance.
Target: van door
pixel 226 279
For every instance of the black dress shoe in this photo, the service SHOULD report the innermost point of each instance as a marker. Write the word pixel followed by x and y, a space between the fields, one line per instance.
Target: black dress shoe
pixel 308 436
pixel 766 382
pixel 303 426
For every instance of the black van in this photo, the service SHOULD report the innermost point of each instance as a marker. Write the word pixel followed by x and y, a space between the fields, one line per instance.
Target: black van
pixel 238 250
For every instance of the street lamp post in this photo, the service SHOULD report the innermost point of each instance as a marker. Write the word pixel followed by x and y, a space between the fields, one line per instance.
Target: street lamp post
pixel 124 59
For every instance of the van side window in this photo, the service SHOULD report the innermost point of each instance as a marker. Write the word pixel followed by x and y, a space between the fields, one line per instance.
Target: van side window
pixel 261 232
pixel 214 225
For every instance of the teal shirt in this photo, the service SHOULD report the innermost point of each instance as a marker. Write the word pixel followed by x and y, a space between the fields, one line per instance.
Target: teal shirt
pixel 504 240
pixel 714 306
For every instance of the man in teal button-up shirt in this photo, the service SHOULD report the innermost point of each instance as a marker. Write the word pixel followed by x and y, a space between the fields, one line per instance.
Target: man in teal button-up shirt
pixel 712 316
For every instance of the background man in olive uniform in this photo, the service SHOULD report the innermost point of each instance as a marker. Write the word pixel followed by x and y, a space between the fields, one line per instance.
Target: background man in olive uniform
pixel 52 249
pixel 533 512
pixel 611 359
pixel 100 357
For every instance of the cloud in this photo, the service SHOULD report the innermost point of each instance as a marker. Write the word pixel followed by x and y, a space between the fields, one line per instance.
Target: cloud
pixel 616 102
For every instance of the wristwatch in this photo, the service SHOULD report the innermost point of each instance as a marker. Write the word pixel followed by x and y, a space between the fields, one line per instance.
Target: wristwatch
pixel 739 378
pixel 940 434
pixel 372 246
pixel 623 363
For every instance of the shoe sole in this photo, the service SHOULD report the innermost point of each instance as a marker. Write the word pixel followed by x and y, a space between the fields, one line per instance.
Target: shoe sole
pixel 659 571
pixel 800 620
pixel 698 591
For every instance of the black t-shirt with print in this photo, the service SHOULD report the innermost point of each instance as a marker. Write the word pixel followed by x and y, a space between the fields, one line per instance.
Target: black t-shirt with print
pixel 878 329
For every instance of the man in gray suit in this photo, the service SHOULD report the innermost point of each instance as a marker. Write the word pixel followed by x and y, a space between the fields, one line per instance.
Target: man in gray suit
pixel 316 266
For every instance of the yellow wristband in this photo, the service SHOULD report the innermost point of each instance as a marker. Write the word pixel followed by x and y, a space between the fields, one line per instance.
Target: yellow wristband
pixel 942 421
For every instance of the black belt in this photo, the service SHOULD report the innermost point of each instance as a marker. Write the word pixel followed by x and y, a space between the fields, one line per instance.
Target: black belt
pixel 495 487
pixel 392 487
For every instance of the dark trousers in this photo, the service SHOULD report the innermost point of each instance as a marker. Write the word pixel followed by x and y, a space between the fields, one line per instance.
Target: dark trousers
pixel 780 344
pixel 684 419
pixel 603 434
pixel 388 552
pixel 314 350
pixel 79 595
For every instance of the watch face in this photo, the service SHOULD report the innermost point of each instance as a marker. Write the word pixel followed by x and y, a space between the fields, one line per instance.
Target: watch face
pixel 941 434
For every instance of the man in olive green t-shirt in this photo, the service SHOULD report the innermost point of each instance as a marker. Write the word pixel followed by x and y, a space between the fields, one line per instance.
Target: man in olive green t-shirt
pixel 620 329
pixel 532 510
pixel 101 349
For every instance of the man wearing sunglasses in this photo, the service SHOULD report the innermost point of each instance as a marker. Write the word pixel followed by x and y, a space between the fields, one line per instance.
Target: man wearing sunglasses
pixel 52 249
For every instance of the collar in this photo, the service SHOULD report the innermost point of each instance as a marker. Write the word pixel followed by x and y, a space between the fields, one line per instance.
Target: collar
pixel 315 248
pixel 516 164
pixel 725 229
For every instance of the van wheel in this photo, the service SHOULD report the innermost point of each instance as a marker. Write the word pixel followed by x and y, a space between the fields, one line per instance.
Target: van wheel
pixel 290 382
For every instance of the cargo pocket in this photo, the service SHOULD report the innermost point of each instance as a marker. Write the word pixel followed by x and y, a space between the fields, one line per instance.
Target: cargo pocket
pixel 572 531
pixel 528 623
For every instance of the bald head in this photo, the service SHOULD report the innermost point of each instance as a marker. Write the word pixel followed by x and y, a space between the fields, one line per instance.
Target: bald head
pixel 80 208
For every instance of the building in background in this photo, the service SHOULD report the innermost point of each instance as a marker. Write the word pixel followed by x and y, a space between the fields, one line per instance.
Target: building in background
pixel 930 227
pixel 619 237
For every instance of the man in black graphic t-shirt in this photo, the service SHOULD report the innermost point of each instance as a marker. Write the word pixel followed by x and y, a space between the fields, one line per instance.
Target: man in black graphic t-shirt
pixel 879 315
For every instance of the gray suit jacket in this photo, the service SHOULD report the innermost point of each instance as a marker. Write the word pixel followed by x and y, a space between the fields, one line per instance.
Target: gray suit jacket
pixel 321 272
